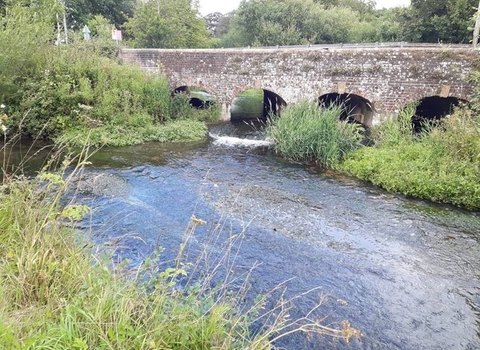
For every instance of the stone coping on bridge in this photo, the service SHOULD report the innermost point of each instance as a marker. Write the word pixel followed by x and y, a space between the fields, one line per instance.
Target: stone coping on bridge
pixel 349 46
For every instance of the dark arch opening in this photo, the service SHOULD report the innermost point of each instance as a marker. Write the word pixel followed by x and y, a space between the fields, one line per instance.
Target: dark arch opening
pixel 256 104
pixel 355 108
pixel 430 110
pixel 198 98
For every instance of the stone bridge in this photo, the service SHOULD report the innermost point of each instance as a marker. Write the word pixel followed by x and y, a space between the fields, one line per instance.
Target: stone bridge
pixel 379 78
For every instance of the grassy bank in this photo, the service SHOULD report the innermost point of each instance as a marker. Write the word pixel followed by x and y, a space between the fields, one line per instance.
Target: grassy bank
pixel 442 164
pixel 58 292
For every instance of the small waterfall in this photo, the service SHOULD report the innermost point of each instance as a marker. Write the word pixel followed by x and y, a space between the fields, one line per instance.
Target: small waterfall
pixel 244 134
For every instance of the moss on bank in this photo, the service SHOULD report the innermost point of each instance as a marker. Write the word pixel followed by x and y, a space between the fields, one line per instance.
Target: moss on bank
pixel 113 135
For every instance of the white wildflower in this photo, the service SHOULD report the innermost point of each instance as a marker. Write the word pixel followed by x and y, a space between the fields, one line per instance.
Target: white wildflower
pixel 4 129
pixel 2 106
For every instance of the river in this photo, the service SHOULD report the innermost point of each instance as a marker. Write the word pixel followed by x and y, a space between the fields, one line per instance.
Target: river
pixel 405 272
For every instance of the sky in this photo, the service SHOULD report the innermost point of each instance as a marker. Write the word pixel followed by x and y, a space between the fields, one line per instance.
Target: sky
pixel 224 6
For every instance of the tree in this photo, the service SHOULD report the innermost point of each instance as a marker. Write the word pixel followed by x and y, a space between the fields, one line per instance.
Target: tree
pixel 26 31
pixel 116 11
pixel 439 20
pixel 168 24
pixel 294 22
pixel 212 20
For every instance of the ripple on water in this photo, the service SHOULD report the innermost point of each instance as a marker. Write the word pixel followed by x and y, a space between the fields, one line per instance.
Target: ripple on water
pixel 387 264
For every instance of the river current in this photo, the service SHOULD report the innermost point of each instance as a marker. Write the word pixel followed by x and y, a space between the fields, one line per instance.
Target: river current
pixel 404 272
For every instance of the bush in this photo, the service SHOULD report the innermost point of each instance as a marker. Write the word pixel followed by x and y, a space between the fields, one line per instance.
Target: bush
pixel 305 133
pixel 80 88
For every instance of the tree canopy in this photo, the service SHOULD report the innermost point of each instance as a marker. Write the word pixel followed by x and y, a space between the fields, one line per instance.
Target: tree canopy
pixel 167 24
pixel 116 11
pixel 447 21
pixel 290 22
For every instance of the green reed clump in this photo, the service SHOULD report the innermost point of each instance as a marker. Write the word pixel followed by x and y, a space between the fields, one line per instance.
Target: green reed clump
pixel 306 133
pixel 56 293
pixel 442 164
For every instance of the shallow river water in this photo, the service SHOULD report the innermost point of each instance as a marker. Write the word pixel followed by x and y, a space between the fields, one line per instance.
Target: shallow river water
pixel 405 272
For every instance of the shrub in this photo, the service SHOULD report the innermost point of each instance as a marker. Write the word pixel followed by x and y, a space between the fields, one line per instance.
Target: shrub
pixel 79 88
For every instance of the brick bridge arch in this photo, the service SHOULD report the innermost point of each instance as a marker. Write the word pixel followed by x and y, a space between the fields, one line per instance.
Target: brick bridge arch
pixel 390 77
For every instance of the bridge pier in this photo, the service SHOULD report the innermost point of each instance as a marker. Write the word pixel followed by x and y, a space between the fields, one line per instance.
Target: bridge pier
pixel 225 112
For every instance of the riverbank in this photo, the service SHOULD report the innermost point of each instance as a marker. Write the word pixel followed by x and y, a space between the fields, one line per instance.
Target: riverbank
pixel 59 290
pixel 440 164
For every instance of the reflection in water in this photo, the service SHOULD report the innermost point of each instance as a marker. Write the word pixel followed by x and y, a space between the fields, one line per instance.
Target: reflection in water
pixel 22 156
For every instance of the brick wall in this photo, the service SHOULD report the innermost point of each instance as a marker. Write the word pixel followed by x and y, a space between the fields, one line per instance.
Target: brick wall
pixel 388 77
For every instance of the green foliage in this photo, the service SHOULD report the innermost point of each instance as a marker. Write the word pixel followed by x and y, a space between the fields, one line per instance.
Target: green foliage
pixel 25 33
pixel 78 87
pixel 82 11
pixel 294 22
pixel 394 130
pixel 448 21
pixel 441 165
pixel 136 133
pixel 181 108
pixel 305 133
pixel 167 24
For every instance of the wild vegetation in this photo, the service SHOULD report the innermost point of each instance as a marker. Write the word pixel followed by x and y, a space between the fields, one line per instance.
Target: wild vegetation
pixel 58 290
pixel 78 92
pixel 295 22
pixel 442 164
pixel 306 133
pixel 61 291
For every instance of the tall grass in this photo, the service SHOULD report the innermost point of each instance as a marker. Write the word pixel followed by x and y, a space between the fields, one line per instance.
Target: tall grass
pixel 442 164
pixel 306 133
pixel 57 293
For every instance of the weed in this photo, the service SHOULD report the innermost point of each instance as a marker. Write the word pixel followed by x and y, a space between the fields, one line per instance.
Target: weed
pixel 441 164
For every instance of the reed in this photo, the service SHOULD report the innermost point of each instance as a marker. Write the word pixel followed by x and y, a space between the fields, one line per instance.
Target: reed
pixel 306 133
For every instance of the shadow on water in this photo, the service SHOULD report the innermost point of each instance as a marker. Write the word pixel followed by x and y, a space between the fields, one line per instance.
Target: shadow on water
pixel 23 156
pixel 404 272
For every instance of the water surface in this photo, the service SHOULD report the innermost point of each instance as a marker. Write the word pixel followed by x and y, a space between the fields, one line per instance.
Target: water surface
pixel 405 272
